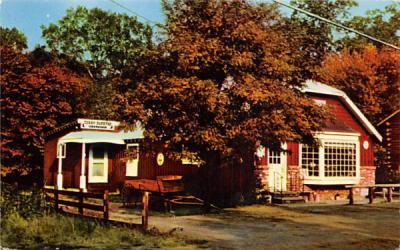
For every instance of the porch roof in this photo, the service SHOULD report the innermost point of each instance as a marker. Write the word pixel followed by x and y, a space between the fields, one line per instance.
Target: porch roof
pixel 102 136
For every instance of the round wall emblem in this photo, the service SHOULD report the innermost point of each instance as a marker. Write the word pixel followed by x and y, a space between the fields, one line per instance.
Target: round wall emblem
pixel 365 144
pixel 160 159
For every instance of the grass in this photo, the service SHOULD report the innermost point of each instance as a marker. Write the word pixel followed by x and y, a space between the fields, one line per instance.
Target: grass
pixel 54 230
pixel 28 222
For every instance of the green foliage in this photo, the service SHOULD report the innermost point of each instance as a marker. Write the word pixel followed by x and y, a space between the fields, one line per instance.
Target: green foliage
pixel 382 24
pixel 314 38
pixel 24 202
pixel 111 46
pixel 13 38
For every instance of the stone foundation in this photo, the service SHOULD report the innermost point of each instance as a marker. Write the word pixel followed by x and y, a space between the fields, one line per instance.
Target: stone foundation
pixel 367 174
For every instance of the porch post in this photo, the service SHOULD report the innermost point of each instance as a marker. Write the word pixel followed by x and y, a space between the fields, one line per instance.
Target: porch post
pixel 59 175
pixel 82 180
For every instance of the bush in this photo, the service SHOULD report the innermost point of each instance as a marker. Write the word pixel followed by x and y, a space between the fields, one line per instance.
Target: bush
pixel 26 202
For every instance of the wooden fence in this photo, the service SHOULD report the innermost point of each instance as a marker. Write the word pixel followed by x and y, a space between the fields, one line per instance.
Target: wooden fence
pixel 79 202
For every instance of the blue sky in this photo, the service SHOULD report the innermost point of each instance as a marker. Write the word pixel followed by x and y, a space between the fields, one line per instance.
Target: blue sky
pixel 29 15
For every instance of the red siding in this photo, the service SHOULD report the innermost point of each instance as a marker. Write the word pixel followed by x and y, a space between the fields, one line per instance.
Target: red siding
pixel 50 163
pixel 293 154
pixel 342 113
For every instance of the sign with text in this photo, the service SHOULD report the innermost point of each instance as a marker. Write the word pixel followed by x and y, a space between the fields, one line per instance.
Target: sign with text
pixel 97 124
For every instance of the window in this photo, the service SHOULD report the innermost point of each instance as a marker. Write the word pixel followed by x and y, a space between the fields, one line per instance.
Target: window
pixel 340 159
pixel 132 163
pixel 310 160
pixel 274 157
pixel 61 150
pixel 98 164
pixel 336 161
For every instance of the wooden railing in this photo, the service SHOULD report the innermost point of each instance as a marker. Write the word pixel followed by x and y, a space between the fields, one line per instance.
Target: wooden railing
pixel 80 203
pixel 371 191
pixel 79 200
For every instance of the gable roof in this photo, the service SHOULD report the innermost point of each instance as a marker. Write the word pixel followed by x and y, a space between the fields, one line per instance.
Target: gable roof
pixel 311 86
pixel 388 117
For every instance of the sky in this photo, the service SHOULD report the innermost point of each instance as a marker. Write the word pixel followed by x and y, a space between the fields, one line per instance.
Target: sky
pixel 29 15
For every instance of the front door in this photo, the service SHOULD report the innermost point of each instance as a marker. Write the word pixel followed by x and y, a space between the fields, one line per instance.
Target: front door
pixel 277 170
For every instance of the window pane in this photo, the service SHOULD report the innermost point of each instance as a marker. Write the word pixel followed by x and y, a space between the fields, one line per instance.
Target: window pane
pixel 98 169
pixel 340 159
pixel 98 153
pixel 310 160
pixel 274 157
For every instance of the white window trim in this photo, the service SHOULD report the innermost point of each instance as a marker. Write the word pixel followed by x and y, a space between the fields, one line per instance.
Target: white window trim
pixel 137 167
pixel 97 179
pixel 322 179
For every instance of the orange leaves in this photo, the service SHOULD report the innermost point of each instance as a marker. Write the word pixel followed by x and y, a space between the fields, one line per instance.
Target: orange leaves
pixel 34 100
pixel 371 78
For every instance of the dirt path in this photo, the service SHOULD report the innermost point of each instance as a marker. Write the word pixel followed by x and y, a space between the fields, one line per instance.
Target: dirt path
pixel 308 226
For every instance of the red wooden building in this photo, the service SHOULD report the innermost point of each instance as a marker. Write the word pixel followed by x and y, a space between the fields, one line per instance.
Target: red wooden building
pixel 93 155
pixel 390 129
pixel 345 155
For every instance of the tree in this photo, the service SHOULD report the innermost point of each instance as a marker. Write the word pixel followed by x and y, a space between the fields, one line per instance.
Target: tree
pixel 382 24
pixel 13 37
pixel 371 77
pixel 314 38
pixel 223 84
pixel 36 98
pixel 106 44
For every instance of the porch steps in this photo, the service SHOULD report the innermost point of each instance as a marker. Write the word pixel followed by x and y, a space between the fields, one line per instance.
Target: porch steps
pixel 287 197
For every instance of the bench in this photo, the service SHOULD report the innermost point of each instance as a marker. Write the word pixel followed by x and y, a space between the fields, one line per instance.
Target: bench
pixel 371 190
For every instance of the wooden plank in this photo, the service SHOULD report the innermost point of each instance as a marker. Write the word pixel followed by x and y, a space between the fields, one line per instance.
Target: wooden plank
pixel 390 195
pixel 80 208
pixel 371 195
pixel 106 205
pixel 145 212
pixel 56 207
pixel 351 196
pixel 75 193
pixel 374 185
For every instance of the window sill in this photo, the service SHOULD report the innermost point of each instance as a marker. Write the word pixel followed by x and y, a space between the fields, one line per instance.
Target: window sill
pixel 332 181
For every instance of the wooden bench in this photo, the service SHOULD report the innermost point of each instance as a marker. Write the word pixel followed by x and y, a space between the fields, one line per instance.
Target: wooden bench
pixel 371 190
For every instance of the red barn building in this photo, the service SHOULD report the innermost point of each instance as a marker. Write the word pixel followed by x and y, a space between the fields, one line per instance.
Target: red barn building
pixel 390 129
pixel 92 155
pixel 345 155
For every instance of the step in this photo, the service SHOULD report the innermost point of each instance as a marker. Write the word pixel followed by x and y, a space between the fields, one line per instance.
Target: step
pixel 288 200
pixel 285 194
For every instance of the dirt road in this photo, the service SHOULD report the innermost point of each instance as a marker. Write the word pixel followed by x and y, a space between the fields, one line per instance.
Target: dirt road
pixel 309 226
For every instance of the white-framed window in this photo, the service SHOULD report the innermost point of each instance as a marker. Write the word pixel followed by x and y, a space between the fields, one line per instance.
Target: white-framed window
pixel 61 150
pixel 335 161
pixel 274 157
pixel 98 164
pixel 132 163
